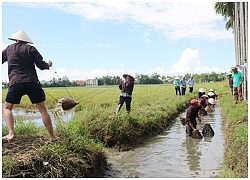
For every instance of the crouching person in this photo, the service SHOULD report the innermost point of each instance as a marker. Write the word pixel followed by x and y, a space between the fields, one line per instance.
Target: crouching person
pixel 191 115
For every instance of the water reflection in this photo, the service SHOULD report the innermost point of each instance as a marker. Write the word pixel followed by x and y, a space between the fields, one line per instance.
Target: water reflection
pixel 35 117
pixel 193 153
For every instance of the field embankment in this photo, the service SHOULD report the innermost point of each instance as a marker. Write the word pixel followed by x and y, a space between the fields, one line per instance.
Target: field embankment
pixel 236 137
pixel 81 149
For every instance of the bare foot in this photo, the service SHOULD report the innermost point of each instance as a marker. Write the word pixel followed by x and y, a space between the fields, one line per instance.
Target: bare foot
pixel 8 137
pixel 55 138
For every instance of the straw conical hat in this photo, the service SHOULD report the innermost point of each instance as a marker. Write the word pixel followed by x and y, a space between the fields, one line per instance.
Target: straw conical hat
pixel 211 101
pixel 128 74
pixel 21 36
pixel 206 96
pixel 202 90
pixel 210 94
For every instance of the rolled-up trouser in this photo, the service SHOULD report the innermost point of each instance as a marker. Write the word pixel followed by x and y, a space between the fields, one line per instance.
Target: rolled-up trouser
pixel 238 92
pixel 127 101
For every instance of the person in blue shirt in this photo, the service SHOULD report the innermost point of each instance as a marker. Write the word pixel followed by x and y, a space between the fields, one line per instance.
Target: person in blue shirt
pixel 183 86
pixel 238 79
pixel 177 85
pixel 191 84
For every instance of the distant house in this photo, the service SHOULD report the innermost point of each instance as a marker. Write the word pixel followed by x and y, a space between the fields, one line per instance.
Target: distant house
pixel 79 82
pixel 91 82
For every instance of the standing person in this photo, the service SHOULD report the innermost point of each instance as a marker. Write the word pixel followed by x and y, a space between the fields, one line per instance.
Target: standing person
pixel 238 79
pixel 177 85
pixel 191 115
pixel 23 80
pixel 126 92
pixel 183 86
pixel 241 67
pixel 230 82
pixel 191 84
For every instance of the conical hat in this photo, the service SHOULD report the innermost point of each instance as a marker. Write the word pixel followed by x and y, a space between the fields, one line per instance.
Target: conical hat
pixel 211 101
pixel 206 96
pixel 210 94
pixel 21 36
pixel 128 74
pixel 202 90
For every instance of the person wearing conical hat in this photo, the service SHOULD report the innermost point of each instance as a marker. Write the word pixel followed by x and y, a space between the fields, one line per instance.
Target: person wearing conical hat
pixel 203 102
pixel 238 79
pixel 177 86
pixel 126 92
pixel 211 103
pixel 23 80
pixel 211 94
pixel 202 91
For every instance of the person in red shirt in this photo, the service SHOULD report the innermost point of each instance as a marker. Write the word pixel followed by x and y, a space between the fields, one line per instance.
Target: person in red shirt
pixel 191 115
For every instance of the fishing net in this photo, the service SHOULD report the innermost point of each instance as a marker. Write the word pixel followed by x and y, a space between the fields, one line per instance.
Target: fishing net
pixel 196 134
pixel 67 103
pixel 64 106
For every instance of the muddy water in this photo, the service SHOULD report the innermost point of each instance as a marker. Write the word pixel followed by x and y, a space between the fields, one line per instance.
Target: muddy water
pixel 169 155
pixel 172 154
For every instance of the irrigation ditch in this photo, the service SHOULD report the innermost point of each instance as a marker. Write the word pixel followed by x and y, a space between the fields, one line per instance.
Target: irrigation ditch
pixel 170 154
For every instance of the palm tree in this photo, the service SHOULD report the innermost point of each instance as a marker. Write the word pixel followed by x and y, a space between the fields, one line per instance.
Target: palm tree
pixel 237 13
pixel 226 9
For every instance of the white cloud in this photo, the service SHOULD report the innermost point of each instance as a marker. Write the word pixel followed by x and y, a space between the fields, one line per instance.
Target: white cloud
pixel 189 62
pixel 174 19
pixel 78 74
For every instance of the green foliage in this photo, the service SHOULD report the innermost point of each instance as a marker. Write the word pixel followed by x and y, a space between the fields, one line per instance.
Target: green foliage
pixel 236 133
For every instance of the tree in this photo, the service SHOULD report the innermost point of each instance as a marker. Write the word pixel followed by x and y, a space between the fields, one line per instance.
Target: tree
pixel 226 9
pixel 237 12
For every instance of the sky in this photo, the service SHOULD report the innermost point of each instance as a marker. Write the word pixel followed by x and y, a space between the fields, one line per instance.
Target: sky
pixel 85 40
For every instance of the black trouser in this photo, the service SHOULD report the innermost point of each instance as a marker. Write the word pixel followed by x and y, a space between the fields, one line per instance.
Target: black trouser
pixel 177 89
pixel 183 91
pixel 191 89
pixel 127 101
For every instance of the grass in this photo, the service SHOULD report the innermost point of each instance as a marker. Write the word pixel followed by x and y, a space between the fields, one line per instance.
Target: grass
pixel 236 136
pixel 95 126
